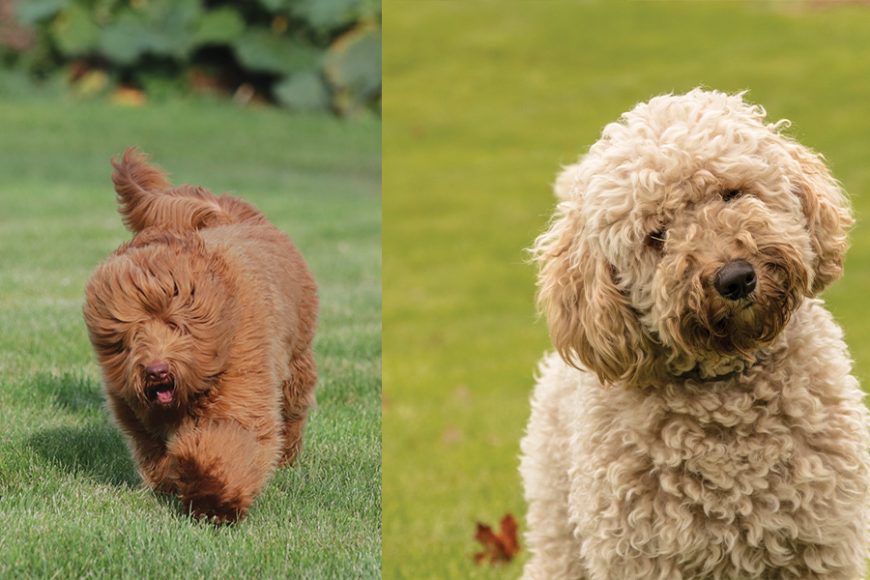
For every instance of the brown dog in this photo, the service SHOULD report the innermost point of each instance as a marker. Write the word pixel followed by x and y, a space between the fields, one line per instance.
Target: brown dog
pixel 203 325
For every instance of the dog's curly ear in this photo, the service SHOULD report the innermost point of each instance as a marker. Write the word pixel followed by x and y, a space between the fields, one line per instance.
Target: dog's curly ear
pixel 827 213
pixel 590 319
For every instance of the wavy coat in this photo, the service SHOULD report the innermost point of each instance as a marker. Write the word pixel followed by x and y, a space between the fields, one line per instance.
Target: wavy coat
pixel 203 326
pixel 679 433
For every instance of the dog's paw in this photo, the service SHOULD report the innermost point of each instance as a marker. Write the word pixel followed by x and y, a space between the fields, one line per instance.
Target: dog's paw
pixel 218 468
pixel 207 496
pixel 214 508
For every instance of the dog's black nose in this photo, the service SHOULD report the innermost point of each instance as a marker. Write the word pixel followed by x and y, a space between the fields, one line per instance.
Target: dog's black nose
pixel 157 372
pixel 735 280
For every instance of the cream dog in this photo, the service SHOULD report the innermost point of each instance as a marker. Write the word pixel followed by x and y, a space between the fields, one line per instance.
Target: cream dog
pixel 700 419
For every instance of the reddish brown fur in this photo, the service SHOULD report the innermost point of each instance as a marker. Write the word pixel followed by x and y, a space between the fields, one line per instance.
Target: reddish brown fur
pixel 210 287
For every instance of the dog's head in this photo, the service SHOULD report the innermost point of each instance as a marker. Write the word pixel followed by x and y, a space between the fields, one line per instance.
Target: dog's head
pixel 685 238
pixel 160 316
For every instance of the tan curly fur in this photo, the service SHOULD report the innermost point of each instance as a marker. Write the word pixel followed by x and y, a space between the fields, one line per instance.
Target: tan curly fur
pixel 679 433
pixel 223 306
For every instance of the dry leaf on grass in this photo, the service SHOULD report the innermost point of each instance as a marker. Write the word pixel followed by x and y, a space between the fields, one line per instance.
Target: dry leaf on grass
pixel 497 547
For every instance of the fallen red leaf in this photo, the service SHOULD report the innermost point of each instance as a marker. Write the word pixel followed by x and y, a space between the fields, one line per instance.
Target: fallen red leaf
pixel 497 547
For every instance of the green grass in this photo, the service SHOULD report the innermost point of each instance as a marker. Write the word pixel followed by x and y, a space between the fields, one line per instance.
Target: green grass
pixel 69 495
pixel 482 104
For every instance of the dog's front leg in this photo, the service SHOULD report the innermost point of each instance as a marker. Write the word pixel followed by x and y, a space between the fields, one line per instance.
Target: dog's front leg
pixel 149 452
pixel 555 551
pixel 219 467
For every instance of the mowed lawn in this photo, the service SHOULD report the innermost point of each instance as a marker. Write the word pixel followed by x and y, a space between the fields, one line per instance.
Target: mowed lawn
pixel 483 102
pixel 70 499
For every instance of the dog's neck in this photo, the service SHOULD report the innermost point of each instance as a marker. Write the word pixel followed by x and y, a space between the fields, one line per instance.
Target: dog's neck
pixel 726 369
pixel 722 368
pixel 700 375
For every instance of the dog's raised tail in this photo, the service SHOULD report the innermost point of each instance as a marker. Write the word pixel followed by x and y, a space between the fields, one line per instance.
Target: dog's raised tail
pixel 146 199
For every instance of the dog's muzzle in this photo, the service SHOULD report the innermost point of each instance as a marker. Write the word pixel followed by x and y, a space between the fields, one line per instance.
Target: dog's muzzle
pixel 159 383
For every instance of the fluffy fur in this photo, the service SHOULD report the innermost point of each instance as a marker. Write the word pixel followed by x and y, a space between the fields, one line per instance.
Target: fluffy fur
pixel 678 433
pixel 203 325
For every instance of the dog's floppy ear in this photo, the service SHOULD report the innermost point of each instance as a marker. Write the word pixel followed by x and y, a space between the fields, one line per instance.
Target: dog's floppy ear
pixel 827 213
pixel 590 319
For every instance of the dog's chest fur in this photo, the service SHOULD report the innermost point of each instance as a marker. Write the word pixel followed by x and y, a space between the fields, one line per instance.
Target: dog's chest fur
pixel 693 477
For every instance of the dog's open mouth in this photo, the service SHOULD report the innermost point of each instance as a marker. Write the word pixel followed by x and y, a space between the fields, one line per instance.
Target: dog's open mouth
pixel 161 393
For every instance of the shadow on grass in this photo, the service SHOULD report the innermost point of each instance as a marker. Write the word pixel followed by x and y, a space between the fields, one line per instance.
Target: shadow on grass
pixel 70 392
pixel 96 451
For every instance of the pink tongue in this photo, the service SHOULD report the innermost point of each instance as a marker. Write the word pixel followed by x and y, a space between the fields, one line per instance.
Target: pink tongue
pixel 164 396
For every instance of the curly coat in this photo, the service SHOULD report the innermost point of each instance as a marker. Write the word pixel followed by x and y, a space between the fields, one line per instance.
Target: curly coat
pixel 203 325
pixel 680 433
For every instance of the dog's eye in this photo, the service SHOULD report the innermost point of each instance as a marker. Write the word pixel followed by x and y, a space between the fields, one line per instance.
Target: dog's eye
pixel 730 194
pixel 656 240
pixel 115 347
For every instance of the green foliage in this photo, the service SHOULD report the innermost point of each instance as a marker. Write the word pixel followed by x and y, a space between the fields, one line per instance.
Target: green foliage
pixel 302 54
pixel 325 15
pixel 76 34
pixel 126 40
pixel 219 26
pixel 304 91
pixel 353 67
pixel 261 50
pixel 35 10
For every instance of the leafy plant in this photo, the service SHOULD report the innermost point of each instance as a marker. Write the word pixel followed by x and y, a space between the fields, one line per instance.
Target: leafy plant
pixel 300 54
